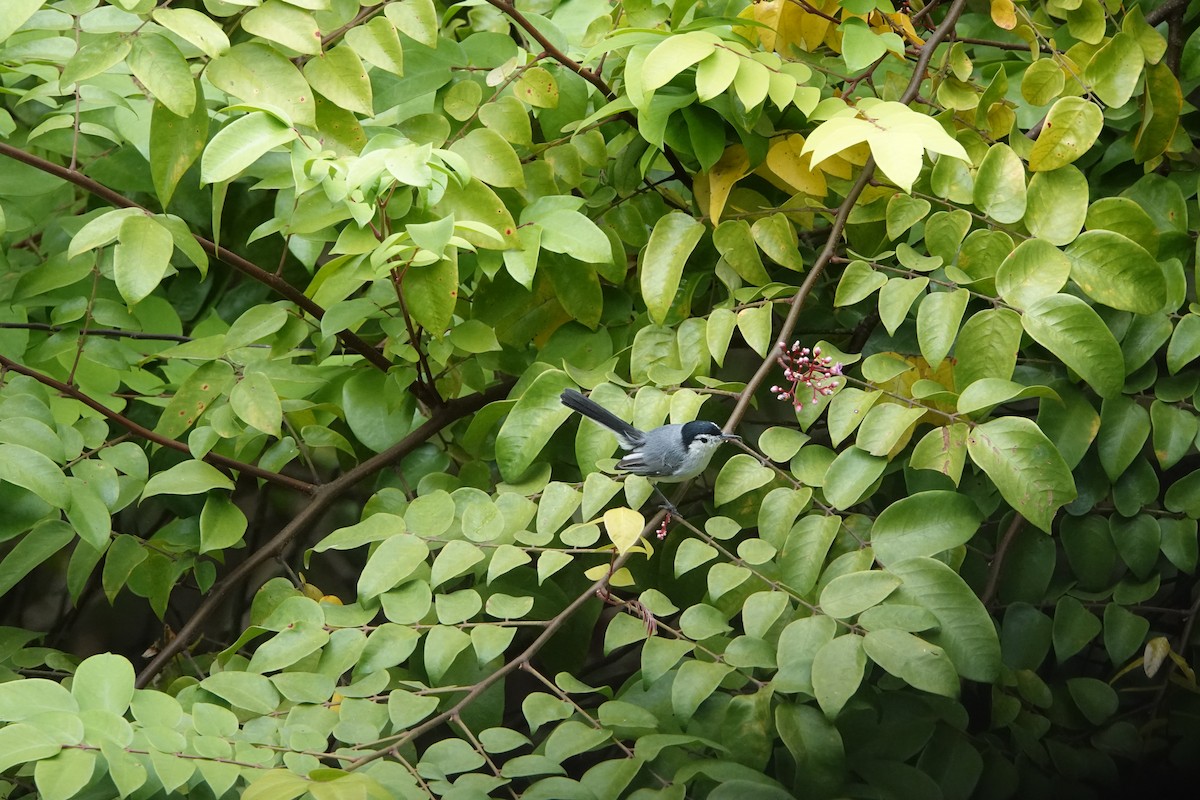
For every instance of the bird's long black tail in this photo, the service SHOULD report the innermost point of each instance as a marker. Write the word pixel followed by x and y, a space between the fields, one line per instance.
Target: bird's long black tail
pixel 629 435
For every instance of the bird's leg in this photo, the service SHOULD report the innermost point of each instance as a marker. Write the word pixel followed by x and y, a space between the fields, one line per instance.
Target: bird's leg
pixel 667 505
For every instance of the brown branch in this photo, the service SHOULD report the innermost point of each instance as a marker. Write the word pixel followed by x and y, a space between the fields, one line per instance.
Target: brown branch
pixel 509 10
pixel 215 459
pixel 246 267
pixel 450 412
pixel 1167 9
pixel 993 582
pixel 839 222
pixel 115 333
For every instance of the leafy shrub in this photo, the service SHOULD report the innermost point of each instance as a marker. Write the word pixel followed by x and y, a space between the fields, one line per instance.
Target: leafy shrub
pixel 289 290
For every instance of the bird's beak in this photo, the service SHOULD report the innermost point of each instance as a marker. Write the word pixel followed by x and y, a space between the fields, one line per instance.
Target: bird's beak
pixel 730 437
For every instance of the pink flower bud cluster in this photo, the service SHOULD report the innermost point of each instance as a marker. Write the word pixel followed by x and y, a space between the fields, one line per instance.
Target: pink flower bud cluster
pixel 804 367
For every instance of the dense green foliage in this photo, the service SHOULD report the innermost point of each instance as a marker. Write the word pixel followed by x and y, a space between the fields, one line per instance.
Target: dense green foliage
pixel 289 290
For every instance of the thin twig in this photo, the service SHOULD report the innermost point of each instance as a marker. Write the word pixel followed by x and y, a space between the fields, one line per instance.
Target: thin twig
pixel 143 432
pixel 839 223
pixel 450 412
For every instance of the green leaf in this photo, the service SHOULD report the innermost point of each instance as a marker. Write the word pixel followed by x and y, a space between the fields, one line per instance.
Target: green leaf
pixel 938 319
pixel 803 555
pixel 851 476
pixel 89 515
pixel 673 239
pixel 1033 270
pixel 222 524
pixel 442 646
pixel 431 292
pixel 378 43
pixel 21 743
pixel 529 426
pixel 141 257
pixel 157 63
pixel 987 393
pixel 95 57
pixel 858 282
pixel 494 161
pixel 416 19
pixel 187 477
pixel 851 594
pixel 1024 465
pixel 124 555
pixel 241 143
pixel 903 212
pixel 1125 427
pixel 735 242
pixel 1000 185
pixel 284 24
pixel 837 672
pixel 63 776
pixel 1058 205
pixel 35 548
pixel 392 562
pixel 799 644
pixel 860 45
pixel 1175 429
pixel 175 143
pixel 263 77
pixel 916 662
pixel 1114 70
pixel 694 683
pixel 741 474
pixel 965 629
pixel 105 682
pixel 256 403
pixel 1118 272
pixel 453 560
pixel 1071 128
pixel 1042 82
pixel 285 648
pixel 886 426
pixel 924 524
pixel 406 709
pixel 570 232
pixel 987 346
pixel 1074 627
pixel 895 299
pixel 245 690
pixel 1072 330
pixel 675 54
pixel 16 14
pixel 1184 346
pixel 195 27
pixel 340 76
pixel 1124 632
pixel 28 468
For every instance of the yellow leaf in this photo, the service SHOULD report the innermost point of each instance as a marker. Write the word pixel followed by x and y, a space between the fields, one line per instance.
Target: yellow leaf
pixel 790 171
pixel 1004 14
pixel 1155 654
pixel 733 165
pixel 768 14
pixel 816 29
pixel 902 23
pixel 624 527
pixel 621 577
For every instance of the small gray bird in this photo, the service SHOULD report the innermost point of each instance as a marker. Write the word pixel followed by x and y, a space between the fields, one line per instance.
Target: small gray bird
pixel 668 453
